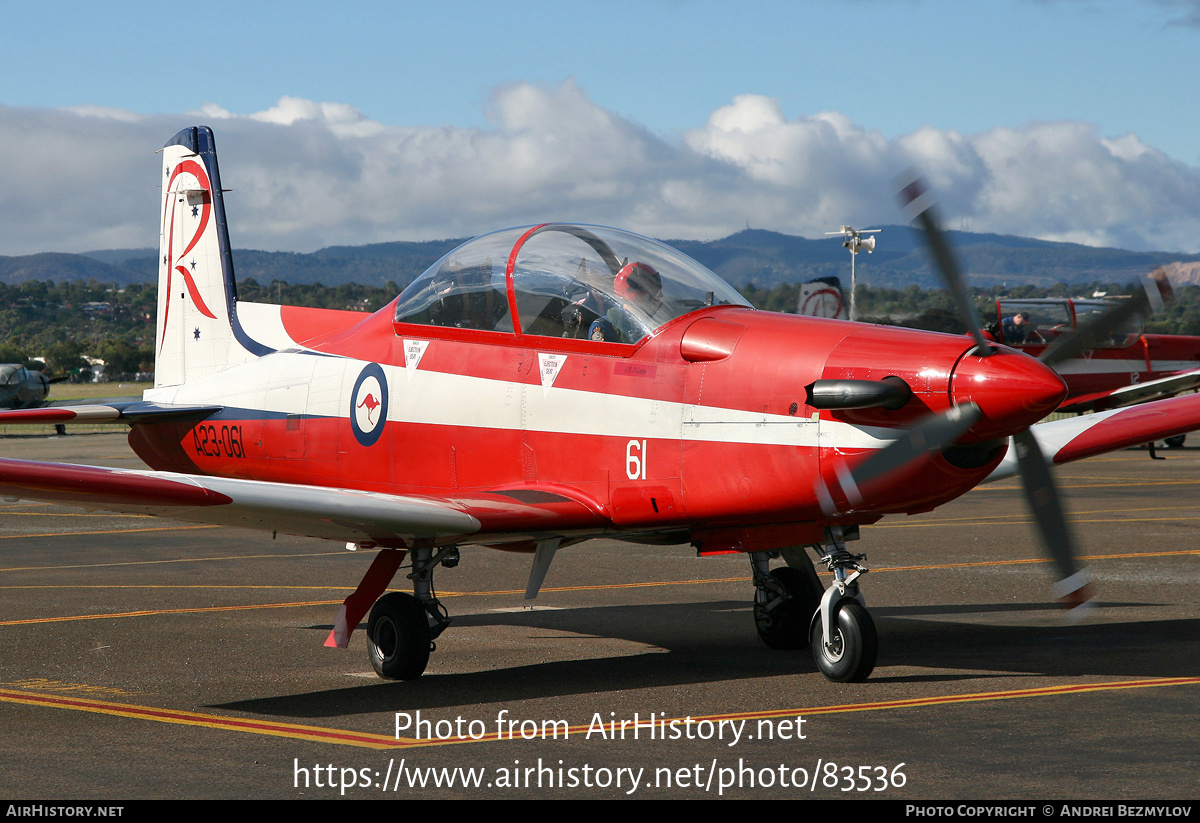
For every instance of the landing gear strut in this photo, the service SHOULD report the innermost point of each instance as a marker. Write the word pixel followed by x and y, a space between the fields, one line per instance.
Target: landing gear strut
pixel 844 641
pixel 402 626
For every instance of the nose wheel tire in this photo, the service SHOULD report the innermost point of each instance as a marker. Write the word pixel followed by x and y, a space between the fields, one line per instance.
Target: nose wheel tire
pixel 786 625
pixel 398 640
pixel 853 647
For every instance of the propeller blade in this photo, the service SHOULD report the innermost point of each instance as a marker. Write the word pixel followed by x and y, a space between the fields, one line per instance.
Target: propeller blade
pixel 1042 495
pixel 928 434
pixel 1037 481
pixel 918 203
pixel 1155 293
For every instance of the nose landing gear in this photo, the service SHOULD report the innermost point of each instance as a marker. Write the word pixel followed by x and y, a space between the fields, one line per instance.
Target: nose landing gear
pixel 844 641
pixel 849 654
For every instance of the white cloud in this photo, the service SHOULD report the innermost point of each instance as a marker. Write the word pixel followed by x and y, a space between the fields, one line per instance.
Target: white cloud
pixel 342 120
pixel 211 111
pixel 104 112
pixel 306 174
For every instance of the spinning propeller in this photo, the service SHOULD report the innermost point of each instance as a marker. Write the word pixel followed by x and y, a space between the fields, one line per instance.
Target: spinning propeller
pixel 1026 390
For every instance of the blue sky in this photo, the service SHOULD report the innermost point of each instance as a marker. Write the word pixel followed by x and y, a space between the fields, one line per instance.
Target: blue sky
pixel 1069 119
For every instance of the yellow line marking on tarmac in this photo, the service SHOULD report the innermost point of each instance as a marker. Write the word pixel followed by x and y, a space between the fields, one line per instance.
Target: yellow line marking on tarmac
pixel 147 586
pixel 175 560
pixel 1015 485
pixel 1001 517
pixel 153 612
pixel 1092 557
pixel 105 531
pixel 306 603
pixel 46 684
pixel 643 585
pixel 504 592
pixel 77 514
pixel 379 741
pixel 1017 520
pixel 212 721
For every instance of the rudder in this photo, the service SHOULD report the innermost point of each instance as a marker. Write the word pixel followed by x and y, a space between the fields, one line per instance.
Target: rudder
pixel 198 332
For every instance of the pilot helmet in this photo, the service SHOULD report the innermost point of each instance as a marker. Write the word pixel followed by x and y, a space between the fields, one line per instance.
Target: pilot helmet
pixel 636 280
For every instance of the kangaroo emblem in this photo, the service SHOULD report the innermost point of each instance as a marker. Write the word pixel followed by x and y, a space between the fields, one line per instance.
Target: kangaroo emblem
pixel 371 405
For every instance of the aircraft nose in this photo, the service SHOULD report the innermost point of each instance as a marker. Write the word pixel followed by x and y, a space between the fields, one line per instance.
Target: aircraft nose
pixel 1013 390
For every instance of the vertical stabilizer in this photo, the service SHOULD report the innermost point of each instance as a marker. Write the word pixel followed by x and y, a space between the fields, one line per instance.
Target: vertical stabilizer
pixel 198 331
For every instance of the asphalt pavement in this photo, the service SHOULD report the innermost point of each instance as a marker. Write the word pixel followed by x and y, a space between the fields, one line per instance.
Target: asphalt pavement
pixel 148 658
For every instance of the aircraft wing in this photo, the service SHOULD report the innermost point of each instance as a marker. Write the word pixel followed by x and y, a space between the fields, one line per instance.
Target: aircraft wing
pixel 1075 438
pixel 1135 393
pixel 314 511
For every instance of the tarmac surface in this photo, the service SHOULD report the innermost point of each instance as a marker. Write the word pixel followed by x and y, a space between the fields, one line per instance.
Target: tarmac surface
pixel 146 658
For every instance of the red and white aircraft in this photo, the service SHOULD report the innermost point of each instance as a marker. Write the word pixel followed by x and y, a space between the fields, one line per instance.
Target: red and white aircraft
pixel 1119 368
pixel 540 386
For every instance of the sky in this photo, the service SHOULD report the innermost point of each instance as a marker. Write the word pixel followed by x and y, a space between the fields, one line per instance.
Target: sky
pixel 1073 120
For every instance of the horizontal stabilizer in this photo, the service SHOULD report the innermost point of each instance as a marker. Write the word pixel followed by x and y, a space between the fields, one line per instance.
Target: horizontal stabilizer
pixel 132 412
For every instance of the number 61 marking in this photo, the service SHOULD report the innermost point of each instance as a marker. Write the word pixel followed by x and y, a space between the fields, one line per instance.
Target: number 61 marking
pixel 635 459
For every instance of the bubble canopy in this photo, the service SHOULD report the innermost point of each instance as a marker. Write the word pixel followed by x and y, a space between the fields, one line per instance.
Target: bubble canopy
pixel 562 280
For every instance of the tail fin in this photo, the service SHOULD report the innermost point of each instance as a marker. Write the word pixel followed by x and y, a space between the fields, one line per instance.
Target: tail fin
pixel 198 330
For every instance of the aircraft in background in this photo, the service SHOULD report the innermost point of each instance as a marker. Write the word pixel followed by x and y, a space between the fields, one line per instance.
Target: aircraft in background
pixel 1119 368
pixel 21 387
pixel 540 386
pixel 822 297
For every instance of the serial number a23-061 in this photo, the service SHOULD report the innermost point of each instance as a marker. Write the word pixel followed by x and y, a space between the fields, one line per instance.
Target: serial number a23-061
pixel 222 441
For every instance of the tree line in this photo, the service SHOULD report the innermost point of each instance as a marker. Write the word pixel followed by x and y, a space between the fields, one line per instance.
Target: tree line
pixel 54 326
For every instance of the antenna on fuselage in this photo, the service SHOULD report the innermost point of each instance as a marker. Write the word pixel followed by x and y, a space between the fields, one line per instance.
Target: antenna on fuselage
pixel 854 240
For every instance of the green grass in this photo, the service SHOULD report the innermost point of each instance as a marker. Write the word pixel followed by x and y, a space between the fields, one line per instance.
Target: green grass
pixel 60 392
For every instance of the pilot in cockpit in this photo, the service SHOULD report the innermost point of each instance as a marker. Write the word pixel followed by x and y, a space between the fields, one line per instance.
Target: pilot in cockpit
pixel 1016 329
pixel 639 287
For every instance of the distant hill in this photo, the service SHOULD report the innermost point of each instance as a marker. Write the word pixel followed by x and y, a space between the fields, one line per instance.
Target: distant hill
pixel 66 267
pixel 764 258
pixel 900 260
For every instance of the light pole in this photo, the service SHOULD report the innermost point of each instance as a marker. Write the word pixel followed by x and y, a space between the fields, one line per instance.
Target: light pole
pixel 855 241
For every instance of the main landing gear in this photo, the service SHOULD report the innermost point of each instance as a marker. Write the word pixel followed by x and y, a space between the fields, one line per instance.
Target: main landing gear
pixel 402 627
pixel 792 610
pixel 786 599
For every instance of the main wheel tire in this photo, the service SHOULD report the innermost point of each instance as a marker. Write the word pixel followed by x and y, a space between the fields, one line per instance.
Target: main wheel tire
pixel 786 626
pixel 1176 442
pixel 854 647
pixel 398 637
